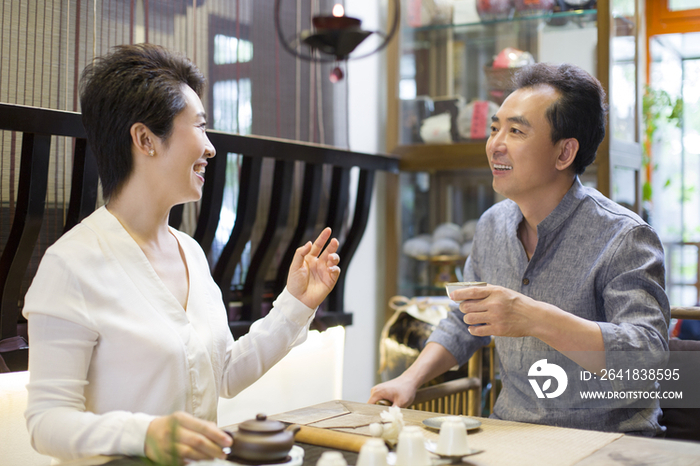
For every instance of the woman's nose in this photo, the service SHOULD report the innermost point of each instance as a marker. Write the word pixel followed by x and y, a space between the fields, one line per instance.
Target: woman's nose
pixel 210 149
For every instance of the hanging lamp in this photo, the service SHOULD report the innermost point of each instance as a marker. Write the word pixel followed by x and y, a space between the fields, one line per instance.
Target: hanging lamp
pixel 335 37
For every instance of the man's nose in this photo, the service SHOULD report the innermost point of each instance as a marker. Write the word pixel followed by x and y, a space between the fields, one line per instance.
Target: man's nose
pixel 496 141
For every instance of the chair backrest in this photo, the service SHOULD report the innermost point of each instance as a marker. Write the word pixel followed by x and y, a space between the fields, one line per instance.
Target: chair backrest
pixel 679 312
pixel 461 397
pixel 684 423
pixel 404 336
pixel 272 217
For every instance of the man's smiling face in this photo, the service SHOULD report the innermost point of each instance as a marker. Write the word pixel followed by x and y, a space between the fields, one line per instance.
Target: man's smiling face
pixel 521 154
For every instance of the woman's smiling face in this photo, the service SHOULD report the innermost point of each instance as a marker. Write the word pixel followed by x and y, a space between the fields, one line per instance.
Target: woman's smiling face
pixel 182 158
pixel 521 154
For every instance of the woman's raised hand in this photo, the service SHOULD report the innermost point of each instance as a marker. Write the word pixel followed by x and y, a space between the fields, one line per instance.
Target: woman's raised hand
pixel 314 271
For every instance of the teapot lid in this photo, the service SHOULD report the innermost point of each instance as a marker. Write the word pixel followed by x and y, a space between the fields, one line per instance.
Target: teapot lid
pixel 261 425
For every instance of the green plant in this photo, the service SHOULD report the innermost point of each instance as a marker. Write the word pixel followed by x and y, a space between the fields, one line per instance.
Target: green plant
pixel 172 458
pixel 657 106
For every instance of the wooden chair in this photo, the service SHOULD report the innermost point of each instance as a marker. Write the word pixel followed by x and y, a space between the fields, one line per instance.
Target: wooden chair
pixel 463 396
pixel 691 313
pixel 39 216
pixel 409 327
pixel 684 423
pixel 460 396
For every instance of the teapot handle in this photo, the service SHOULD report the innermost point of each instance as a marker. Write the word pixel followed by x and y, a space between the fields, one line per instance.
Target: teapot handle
pixel 227 450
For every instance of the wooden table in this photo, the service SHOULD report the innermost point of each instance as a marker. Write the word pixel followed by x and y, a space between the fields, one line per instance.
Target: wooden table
pixel 503 442
pixel 508 442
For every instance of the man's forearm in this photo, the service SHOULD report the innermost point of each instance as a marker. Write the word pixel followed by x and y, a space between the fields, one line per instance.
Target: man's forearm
pixel 578 339
pixel 433 361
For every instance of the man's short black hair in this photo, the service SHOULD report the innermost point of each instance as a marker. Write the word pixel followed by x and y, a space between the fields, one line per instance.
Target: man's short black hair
pixel 132 84
pixel 580 112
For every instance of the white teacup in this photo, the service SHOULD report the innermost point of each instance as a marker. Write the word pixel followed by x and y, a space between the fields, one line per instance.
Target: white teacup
pixel 454 286
pixel 410 450
pixel 331 458
pixel 373 453
pixel 453 438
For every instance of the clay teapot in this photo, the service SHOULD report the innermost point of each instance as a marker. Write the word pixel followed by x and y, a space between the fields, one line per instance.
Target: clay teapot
pixel 262 441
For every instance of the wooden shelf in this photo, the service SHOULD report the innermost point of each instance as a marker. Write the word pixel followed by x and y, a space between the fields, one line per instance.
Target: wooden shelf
pixel 439 74
pixel 433 157
pixel 549 16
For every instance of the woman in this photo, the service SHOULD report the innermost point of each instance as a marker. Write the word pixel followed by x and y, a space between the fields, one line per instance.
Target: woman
pixel 131 347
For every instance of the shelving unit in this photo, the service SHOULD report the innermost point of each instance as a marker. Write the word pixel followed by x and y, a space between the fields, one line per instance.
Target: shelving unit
pixel 447 60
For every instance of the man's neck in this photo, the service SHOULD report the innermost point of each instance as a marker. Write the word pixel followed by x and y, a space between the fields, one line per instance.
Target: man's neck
pixel 527 234
pixel 536 208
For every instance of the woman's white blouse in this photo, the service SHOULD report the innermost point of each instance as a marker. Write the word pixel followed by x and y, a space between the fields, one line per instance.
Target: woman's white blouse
pixel 111 348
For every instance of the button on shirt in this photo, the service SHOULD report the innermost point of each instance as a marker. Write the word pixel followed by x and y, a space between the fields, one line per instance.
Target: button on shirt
pixel 594 259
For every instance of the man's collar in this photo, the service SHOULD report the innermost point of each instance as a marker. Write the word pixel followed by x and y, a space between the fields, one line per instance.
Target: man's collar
pixel 563 210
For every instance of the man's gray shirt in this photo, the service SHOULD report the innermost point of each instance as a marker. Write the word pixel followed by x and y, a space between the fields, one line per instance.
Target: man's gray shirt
pixel 594 259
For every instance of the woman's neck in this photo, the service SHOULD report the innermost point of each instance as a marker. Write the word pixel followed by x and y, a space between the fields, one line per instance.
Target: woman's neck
pixel 145 220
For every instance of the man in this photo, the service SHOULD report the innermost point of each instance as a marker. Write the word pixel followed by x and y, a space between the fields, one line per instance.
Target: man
pixel 567 269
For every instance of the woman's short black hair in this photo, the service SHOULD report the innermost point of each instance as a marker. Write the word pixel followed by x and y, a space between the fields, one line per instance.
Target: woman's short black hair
pixel 132 84
pixel 580 112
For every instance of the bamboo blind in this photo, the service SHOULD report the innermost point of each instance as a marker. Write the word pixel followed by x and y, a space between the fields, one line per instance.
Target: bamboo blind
pixel 45 44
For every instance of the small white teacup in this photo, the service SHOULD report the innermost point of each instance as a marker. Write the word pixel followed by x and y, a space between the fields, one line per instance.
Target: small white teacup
pixel 410 450
pixel 453 438
pixel 454 286
pixel 373 453
pixel 331 458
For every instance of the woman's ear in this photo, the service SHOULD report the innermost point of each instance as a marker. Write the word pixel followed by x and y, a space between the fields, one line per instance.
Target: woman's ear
pixel 569 149
pixel 142 139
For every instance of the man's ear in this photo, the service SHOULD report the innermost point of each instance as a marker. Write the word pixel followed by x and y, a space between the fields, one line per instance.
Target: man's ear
pixel 142 138
pixel 568 152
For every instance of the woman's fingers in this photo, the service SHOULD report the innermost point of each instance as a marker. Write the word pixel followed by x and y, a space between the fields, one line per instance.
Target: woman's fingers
pixel 333 259
pixel 185 437
pixel 329 257
pixel 204 436
pixel 321 241
pixel 196 446
pixel 315 250
pixel 330 249
pixel 298 259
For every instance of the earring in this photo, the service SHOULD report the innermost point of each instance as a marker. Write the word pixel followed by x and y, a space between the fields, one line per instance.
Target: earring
pixel 151 152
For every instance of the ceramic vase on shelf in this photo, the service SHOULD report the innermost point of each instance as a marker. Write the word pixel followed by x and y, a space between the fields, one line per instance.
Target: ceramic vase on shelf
pixel 533 7
pixel 490 10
